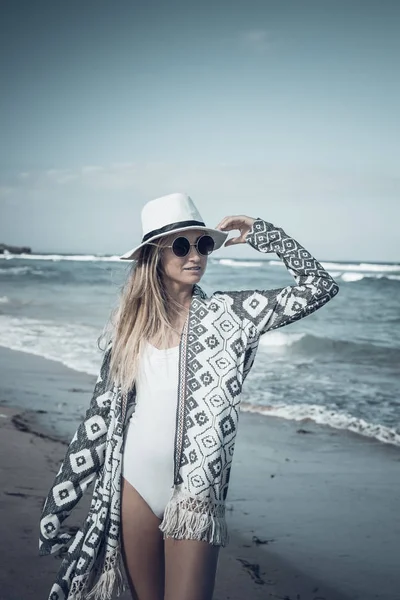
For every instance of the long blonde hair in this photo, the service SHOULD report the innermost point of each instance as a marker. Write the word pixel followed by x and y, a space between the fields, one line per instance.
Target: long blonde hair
pixel 145 312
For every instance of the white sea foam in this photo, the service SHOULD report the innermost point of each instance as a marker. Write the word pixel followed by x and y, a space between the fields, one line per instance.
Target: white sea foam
pixel 353 273
pixel 325 416
pixel 75 346
pixel 334 268
pixel 277 263
pixel 278 338
pixel 230 262
pixel 15 270
pixel 363 267
pixel 22 271
pixel 338 267
pixel 4 300
pixel 350 277
pixel 59 257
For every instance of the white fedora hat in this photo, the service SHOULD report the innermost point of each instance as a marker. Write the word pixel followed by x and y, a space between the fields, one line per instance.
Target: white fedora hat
pixel 171 214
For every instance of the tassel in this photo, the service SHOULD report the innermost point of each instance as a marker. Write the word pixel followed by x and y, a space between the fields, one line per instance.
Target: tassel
pixel 111 580
pixel 78 587
pixel 195 519
pixel 105 586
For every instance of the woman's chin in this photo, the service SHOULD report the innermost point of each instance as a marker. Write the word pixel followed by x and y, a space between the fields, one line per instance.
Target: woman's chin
pixel 192 274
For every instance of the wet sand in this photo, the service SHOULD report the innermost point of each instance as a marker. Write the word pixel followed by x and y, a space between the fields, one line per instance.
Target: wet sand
pixel 312 512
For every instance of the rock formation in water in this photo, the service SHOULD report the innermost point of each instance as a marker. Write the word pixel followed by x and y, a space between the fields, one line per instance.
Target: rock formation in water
pixel 14 249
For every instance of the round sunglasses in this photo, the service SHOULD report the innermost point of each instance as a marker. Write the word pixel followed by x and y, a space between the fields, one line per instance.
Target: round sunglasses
pixel 181 246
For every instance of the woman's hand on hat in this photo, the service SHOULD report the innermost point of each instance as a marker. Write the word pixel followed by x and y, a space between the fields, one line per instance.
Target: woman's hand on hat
pixel 240 222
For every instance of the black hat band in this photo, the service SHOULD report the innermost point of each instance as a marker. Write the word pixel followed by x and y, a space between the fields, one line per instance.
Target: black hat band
pixel 171 227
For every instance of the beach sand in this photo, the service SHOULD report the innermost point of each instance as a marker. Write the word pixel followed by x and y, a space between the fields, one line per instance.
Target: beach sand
pixel 312 511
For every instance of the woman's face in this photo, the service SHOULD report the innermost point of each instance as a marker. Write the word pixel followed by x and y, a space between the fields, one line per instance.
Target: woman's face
pixel 188 269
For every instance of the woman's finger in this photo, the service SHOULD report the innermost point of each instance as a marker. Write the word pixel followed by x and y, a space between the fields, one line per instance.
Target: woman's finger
pixel 233 241
pixel 232 222
pixel 230 225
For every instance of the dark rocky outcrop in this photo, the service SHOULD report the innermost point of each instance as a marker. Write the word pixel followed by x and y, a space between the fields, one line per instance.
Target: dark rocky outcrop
pixel 14 249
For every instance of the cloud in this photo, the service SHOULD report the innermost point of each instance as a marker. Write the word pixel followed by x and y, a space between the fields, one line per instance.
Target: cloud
pixel 5 191
pixel 58 176
pixel 148 179
pixel 259 40
pixel 92 169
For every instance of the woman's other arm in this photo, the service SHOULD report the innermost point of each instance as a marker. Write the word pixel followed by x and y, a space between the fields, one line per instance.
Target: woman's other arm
pixel 83 459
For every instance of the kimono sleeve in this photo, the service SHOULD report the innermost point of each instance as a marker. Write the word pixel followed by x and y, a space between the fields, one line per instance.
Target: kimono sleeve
pixel 83 460
pixel 271 309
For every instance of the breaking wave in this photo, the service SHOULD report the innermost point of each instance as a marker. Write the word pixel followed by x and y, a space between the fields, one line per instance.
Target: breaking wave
pixel 325 416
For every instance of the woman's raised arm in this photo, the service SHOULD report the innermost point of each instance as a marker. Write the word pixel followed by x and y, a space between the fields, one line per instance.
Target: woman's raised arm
pixel 270 309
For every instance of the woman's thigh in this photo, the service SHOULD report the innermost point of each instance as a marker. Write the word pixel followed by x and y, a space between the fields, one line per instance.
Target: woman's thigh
pixel 190 569
pixel 142 546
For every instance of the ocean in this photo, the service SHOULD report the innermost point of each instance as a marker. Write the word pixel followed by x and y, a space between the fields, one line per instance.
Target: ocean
pixel 339 366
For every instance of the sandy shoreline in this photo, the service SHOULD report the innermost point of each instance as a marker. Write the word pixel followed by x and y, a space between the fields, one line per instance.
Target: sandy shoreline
pixel 325 503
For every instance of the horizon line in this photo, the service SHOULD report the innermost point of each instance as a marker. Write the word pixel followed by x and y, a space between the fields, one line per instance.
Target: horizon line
pixel 239 258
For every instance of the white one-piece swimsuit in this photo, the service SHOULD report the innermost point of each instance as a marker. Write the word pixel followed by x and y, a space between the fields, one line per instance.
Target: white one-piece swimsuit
pixel 148 458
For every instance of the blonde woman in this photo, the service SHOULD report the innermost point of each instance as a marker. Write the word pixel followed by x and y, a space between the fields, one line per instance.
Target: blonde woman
pixel 159 435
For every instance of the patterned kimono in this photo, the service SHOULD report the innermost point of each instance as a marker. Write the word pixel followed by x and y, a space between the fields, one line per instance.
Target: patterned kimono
pixel 217 350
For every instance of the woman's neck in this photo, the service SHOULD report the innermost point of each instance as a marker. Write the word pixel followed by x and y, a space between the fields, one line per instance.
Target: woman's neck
pixel 182 295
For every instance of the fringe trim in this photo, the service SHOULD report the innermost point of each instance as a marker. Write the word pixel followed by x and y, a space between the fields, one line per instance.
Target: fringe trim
pixel 188 518
pixel 78 588
pixel 111 581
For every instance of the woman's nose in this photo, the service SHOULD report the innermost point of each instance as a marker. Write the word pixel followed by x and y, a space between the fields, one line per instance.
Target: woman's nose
pixel 193 248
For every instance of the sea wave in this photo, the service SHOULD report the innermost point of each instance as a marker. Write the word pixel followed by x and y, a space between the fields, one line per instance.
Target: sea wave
pixel 351 277
pixel 312 345
pixel 72 345
pixel 353 273
pixel 93 273
pixel 338 267
pixel 75 346
pixel 278 338
pixel 364 267
pixel 325 416
pixel 25 270
pixel 59 257
pixel 4 300
pixel 231 262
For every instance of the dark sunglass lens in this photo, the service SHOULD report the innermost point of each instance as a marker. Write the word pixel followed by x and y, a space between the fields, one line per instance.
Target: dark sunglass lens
pixel 181 246
pixel 206 244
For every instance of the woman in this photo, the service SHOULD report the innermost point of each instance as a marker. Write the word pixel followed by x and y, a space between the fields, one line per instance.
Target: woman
pixel 159 435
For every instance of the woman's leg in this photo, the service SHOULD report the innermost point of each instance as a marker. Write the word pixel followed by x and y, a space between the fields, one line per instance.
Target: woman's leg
pixel 142 546
pixel 190 569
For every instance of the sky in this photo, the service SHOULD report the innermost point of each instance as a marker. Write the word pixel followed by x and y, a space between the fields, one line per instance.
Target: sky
pixel 286 110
